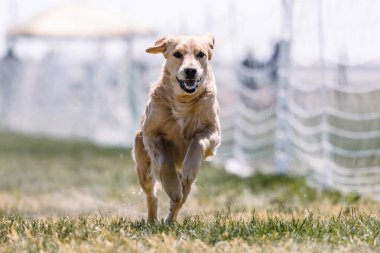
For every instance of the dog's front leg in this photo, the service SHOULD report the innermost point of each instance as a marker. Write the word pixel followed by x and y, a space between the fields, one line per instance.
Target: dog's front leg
pixel 161 155
pixel 201 146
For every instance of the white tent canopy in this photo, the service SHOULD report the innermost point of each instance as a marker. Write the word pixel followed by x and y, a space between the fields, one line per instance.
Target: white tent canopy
pixel 78 20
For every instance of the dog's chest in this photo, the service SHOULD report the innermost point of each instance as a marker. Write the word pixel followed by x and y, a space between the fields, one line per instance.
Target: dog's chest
pixel 189 121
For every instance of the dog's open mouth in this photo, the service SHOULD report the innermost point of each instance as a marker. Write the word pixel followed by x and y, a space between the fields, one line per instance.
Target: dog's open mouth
pixel 189 85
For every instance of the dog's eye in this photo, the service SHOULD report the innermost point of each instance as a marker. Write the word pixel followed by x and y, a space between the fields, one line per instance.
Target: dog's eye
pixel 201 55
pixel 177 55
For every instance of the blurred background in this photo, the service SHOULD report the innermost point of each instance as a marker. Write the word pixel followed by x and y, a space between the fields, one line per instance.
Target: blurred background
pixel 298 84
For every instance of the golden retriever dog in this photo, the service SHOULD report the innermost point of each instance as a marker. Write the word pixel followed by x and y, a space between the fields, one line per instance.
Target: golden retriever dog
pixel 180 126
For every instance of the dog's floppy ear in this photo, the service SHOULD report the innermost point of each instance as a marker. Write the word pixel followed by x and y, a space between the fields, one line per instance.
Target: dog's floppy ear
pixel 160 46
pixel 210 40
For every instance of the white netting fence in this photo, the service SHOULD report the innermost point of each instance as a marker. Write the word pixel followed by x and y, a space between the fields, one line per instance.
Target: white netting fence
pixel 333 129
pixel 255 121
pixel 307 124
pixel 321 121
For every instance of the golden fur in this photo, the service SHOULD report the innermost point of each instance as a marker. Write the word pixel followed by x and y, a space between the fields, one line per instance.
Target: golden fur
pixel 178 129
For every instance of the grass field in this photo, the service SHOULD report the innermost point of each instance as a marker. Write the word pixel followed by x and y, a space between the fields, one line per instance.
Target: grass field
pixel 60 196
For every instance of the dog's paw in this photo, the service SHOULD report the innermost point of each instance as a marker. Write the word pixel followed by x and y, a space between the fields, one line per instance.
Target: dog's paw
pixel 170 219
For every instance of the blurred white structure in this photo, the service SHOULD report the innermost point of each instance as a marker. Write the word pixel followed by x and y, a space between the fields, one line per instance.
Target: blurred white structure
pixel 68 93
pixel 334 128
pixel 325 123
pixel 77 20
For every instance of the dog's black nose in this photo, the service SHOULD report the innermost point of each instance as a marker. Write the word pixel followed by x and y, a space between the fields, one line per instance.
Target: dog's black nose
pixel 190 72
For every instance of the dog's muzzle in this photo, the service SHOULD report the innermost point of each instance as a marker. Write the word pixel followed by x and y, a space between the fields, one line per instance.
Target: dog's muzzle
pixel 189 85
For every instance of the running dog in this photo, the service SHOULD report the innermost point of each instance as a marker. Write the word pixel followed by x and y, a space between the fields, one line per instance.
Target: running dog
pixel 180 126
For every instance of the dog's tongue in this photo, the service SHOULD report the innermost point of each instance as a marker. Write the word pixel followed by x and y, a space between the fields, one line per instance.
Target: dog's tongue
pixel 190 82
pixel 189 85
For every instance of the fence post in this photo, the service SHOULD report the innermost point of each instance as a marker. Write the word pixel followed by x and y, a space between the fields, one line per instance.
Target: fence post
pixel 281 141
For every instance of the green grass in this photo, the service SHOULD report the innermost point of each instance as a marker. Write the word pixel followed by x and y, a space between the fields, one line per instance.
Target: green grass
pixel 63 196
pixel 18 233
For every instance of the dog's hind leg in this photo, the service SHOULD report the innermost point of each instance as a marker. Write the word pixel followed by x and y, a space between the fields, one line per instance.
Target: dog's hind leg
pixel 189 174
pixel 173 188
pixel 201 146
pixel 171 181
pixel 169 176
pixel 146 176
pixel 176 206
pixel 161 153
pixel 191 166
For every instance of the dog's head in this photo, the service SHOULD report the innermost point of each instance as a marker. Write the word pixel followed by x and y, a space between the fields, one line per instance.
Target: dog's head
pixel 186 59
